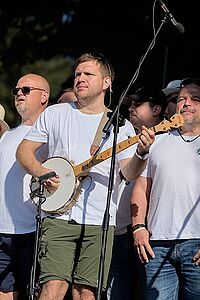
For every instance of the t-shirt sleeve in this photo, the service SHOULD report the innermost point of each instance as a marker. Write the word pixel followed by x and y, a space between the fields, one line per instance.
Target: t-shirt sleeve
pixel 39 130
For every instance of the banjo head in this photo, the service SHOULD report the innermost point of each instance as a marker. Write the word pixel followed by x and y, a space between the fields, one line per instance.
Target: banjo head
pixel 54 202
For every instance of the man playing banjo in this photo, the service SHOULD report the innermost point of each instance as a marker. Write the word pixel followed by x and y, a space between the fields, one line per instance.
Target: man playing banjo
pixel 71 240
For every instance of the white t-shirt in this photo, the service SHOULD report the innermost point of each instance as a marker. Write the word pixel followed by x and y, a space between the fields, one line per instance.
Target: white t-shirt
pixel 174 210
pixel 123 218
pixel 17 212
pixel 70 134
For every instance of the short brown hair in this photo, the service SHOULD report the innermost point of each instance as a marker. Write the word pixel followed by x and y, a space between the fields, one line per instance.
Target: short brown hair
pixel 106 67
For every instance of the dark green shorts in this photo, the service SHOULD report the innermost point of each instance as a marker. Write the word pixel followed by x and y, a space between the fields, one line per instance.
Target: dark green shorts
pixel 72 252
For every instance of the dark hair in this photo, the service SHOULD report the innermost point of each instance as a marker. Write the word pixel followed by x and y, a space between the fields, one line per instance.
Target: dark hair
pixel 188 81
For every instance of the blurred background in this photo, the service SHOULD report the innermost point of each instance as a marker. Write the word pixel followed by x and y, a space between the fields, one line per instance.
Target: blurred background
pixel 46 38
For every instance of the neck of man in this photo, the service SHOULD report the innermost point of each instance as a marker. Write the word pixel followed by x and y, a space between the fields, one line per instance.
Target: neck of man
pixel 148 124
pixel 190 129
pixel 88 106
pixel 29 119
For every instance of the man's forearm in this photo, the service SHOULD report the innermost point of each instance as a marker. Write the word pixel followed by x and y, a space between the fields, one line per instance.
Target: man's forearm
pixel 133 168
pixel 26 156
pixel 139 201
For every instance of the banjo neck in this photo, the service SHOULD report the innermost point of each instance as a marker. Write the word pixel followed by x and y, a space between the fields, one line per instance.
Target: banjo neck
pixel 83 168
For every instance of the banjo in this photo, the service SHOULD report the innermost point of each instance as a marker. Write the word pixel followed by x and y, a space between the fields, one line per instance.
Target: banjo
pixel 71 176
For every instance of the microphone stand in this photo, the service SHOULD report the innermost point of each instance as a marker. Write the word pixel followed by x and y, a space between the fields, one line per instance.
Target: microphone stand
pixel 114 119
pixel 133 79
pixel 117 122
pixel 33 288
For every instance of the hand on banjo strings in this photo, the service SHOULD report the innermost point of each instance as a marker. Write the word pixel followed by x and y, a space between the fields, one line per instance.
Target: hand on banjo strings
pixel 50 179
pixel 146 139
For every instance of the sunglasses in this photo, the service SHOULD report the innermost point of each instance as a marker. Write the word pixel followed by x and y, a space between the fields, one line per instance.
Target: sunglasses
pixel 25 90
pixel 137 103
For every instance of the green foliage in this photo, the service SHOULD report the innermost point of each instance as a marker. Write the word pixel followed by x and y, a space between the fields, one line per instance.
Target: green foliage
pixel 34 38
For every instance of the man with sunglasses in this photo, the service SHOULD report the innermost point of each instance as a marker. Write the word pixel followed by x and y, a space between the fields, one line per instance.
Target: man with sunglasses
pixel 165 202
pixel 17 212
pixel 71 241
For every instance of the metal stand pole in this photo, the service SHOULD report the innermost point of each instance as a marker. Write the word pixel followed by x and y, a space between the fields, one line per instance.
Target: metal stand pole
pixel 33 289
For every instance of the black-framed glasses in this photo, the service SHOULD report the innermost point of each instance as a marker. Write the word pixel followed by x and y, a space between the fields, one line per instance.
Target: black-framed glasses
pixel 25 90
pixel 135 104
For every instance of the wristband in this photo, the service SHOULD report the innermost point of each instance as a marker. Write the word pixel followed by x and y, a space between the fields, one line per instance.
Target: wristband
pixel 136 230
pixel 143 156
pixel 136 226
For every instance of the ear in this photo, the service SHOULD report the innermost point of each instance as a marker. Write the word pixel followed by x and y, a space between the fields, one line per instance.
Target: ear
pixel 156 110
pixel 44 97
pixel 107 83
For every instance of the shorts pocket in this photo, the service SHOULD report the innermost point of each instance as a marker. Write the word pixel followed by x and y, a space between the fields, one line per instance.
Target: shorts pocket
pixel 43 250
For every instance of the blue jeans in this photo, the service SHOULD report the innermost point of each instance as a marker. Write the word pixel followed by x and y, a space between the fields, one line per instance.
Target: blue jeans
pixel 124 271
pixel 172 270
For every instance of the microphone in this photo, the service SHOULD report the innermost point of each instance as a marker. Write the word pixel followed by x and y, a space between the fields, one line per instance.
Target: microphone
pixel 35 181
pixel 45 176
pixel 178 26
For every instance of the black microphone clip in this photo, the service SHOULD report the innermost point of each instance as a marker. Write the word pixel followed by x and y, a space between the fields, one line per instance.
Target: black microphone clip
pixel 178 26
pixel 46 176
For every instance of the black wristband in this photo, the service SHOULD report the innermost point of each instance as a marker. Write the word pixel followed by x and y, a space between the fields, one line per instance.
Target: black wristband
pixel 134 227
pixel 144 156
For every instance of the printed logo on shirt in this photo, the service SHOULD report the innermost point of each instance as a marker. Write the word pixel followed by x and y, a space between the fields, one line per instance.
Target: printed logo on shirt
pixel 198 152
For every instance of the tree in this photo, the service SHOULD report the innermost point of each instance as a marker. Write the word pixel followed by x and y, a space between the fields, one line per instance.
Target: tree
pixel 34 38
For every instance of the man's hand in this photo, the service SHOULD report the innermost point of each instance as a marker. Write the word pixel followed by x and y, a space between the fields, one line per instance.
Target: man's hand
pixel 50 184
pixel 196 258
pixel 146 139
pixel 141 242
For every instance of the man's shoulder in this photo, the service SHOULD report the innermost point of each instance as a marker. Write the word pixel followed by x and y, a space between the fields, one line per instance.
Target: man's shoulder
pixel 166 135
pixel 58 108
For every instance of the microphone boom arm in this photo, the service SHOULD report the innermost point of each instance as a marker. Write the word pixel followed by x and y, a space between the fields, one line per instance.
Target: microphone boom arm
pixel 178 26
